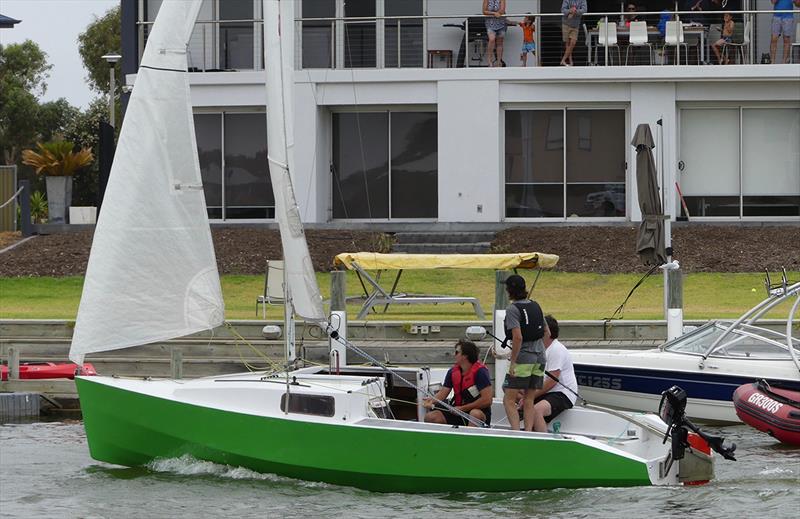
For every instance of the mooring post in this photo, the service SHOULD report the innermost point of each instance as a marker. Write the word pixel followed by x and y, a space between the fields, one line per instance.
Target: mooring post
pixel 338 351
pixel 500 305
pixel 176 363
pixel 13 363
pixel 25 225
pixel 674 303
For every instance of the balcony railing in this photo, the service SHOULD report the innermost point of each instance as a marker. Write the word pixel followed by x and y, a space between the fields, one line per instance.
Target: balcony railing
pixel 461 41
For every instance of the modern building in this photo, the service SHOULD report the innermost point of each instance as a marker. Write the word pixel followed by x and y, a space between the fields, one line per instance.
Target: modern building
pixel 398 119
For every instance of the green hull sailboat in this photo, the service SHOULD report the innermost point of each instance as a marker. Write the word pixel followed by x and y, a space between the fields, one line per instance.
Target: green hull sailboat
pixel 152 276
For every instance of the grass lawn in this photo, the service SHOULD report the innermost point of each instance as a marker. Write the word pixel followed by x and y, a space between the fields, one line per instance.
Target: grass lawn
pixel 565 295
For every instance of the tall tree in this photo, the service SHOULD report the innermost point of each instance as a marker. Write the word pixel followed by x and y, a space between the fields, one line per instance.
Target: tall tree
pixel 101 37
pixel 23 71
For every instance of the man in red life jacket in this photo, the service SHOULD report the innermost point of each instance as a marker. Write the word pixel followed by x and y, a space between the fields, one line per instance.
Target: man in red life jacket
pixel 471 385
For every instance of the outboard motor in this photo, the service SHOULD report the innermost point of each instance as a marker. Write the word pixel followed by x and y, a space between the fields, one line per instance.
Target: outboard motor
pixel 672 411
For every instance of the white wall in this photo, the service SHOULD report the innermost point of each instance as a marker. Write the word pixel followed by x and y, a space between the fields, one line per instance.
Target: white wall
pixel 469 151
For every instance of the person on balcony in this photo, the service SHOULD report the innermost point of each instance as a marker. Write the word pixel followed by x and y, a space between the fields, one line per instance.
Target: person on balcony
pixel 631 15
pixel 495 11
pixel 528 41
pixel 726 38
pixel 782 25
pixel 572 10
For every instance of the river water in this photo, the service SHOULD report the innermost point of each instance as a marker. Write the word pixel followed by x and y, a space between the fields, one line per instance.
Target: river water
pixel 46 471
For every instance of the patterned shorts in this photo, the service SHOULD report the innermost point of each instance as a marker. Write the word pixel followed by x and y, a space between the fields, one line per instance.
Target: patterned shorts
pixel 782 26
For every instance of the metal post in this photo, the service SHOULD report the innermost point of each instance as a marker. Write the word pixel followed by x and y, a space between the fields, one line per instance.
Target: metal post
pixel 176 363
pixel 111 89
pixel 398 44
pixel 499 315
pixel 26 227
pixel 13 363
pixel 338 351
pixel 466 44
pixel 674 303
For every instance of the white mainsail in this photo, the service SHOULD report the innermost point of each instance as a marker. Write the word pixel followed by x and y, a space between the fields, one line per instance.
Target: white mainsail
pixel 278 26
pixel 152 273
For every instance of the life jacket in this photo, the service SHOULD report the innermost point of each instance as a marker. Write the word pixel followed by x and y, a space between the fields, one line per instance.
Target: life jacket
pixel 463 382
pixel 531 321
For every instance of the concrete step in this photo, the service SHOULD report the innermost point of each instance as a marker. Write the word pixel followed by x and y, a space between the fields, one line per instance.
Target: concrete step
pixel 444 237
pixel 442 248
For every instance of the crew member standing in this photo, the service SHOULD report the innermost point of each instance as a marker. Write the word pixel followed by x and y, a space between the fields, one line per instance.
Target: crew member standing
pixel 525 326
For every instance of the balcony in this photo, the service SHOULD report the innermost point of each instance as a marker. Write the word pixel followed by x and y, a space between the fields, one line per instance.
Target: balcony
pixel 604 39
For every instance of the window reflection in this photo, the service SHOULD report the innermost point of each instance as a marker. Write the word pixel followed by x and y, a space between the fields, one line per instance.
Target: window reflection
pixel 244 191
pixel 369 183
pixel 536 170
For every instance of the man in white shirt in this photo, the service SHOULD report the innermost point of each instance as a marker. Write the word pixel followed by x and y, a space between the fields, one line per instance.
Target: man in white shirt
pixel 554 397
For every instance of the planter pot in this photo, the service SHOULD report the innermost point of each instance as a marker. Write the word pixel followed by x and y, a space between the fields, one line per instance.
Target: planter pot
pixel 59 197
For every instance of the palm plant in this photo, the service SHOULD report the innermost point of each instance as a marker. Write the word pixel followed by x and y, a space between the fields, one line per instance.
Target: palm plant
pixel 58 161
pixel 57 158
pixel 38 207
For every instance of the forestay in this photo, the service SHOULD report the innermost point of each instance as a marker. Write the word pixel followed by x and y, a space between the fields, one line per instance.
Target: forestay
pixel 304 291
pixel 152 274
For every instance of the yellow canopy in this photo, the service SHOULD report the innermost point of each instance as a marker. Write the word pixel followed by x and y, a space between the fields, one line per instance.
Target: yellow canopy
pixel 377 261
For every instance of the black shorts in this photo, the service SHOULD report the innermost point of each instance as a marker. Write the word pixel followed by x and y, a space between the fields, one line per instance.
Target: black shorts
pixel 558 402
pixel 454 419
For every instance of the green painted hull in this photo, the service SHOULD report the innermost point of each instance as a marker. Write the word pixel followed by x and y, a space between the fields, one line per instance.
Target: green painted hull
pixel 131 429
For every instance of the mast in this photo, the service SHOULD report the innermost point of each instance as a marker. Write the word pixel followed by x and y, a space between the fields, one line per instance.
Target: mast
pixel 300 282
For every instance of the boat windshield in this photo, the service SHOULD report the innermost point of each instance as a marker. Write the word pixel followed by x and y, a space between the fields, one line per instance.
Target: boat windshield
pixel 746 342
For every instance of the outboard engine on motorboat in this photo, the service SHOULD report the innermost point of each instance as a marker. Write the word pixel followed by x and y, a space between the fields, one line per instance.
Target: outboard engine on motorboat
pixel 672 411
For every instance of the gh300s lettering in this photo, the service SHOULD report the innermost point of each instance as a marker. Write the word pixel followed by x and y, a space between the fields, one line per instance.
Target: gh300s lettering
pixel 765 403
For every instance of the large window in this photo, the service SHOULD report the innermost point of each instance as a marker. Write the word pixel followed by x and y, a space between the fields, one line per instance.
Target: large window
pixel 318 34
pixel 740 162
pixel 546 178
pixel 232 148
pixel 385 165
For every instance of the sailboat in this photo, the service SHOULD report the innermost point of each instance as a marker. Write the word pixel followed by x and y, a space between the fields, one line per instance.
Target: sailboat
pixel 152 276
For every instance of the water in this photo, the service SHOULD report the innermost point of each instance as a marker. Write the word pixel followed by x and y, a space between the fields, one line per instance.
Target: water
pixel 46 471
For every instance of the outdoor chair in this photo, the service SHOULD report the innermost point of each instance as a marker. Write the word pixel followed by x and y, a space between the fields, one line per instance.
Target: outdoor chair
pixel 607 37
pixel 639 38
pixel 796 44
pixel 673 37
pixel 273 287
pixel 740 49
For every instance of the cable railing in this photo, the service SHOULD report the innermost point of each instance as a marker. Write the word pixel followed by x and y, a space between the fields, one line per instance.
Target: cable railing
pixel 617 38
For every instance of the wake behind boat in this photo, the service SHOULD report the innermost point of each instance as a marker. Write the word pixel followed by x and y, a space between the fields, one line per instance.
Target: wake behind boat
pixel 352 426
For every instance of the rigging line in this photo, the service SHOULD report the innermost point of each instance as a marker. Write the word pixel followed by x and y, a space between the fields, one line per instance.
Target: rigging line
pixel 621 308
pixel 466 416
pixel 237 336
pixel 358 126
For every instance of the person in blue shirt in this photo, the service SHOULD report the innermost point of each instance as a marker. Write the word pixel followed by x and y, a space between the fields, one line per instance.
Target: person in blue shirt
pixel 782 25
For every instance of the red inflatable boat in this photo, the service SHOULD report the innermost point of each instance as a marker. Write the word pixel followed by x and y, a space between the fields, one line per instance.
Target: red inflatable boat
pixel 773 410
pixel 42 370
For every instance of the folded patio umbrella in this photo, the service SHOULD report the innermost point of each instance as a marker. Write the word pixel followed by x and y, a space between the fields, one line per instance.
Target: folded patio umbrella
pixel 650 237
